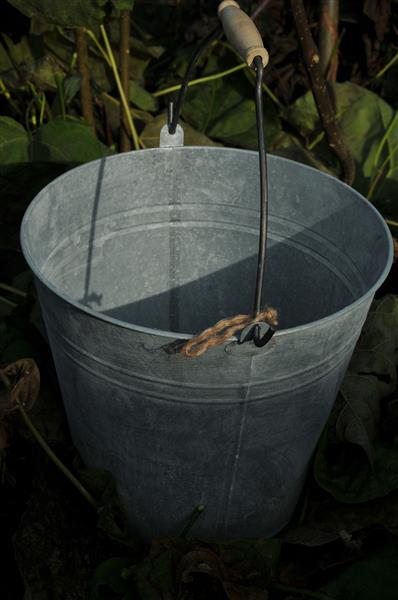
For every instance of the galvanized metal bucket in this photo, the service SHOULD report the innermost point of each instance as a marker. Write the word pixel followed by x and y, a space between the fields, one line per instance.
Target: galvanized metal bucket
pixel 135 251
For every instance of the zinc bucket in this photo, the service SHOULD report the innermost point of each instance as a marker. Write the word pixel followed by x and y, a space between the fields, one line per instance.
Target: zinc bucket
pixel 137 252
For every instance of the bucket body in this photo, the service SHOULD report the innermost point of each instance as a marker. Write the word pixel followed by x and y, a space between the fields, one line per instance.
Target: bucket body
pixel 136 251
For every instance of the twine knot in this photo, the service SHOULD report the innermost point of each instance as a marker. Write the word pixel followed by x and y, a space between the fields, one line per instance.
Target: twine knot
pixel 223 330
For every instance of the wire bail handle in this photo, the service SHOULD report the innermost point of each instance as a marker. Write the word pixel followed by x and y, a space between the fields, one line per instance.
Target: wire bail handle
pixel 244 36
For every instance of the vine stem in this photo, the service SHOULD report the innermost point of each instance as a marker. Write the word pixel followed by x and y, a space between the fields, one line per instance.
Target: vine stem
pixel 320 92
pixel 328 37
pixel 99 46
pixel 175 88
pixel 376 177
pixel 59 80
pixel 86 98
pixel 250 72
pixel 14 106
pixel 123 98
pixel 13 290
pixel 42 442
pixel 387 66
pixel 8 302
pixel 125 143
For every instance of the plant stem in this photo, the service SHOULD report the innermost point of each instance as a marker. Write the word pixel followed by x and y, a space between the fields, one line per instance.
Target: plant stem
pixel 328 37
pixel 123 98
pixel 42 108
pixel 301 592
pixel 8 302
pixel 387 66
pixel 13 290
pixel 257 11
pixel 251 73
pixel 14 106
pixel 46 447
pixel 39 438
pixel 125 143
pixel 321 95
pixel 86 98
pixel 99 46
pixel 192 520
pixel 379 173
pixel 392 223
pixel 59 80
pixel 175 88
pixel 58 463
pixel 384 139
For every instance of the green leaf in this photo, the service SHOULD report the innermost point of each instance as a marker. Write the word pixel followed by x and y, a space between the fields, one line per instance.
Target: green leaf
pixel 364 119
pixel 325 519
pixel 260 555
pixel 237 127
pixel 289 146
pixel 66 141
pixel 372 471
pixel 206 103
pixel 109 576
pixel 219 110
pixel 71 87
pixel 151 132
pixel 368 579
pixel 154 576
pixel 14 142
pixel 74 13
pixel 358 419
pixel 14 57
pixel 141 98
pixel 123 4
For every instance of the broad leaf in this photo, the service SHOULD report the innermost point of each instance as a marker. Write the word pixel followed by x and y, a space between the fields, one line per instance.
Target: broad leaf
pixel 368 579
pixel 108 579
pixel 205 103
pixel 66 141
pixel 372 470
pixel 15 57
pixel 123 4
pixel 326 519
pixel 220 111
pixel 74 13
pixel 364 118
pixel 289 146
pixel 14 142
pixel 141 98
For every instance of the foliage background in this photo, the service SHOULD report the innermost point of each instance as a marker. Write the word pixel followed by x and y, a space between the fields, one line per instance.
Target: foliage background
pixel 56 114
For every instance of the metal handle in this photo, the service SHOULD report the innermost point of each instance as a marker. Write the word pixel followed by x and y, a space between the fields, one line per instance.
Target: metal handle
pixel 241 32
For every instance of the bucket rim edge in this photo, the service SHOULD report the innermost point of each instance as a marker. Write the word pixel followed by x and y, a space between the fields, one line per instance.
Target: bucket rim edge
pixel 186 336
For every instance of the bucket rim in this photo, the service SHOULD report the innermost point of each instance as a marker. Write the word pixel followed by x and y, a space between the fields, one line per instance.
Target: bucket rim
pixel 186 336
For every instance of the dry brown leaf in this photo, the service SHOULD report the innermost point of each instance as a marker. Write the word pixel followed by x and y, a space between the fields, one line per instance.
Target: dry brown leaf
pixel 23 385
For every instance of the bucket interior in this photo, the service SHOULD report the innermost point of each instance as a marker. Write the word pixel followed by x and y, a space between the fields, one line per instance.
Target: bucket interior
pixel 168 238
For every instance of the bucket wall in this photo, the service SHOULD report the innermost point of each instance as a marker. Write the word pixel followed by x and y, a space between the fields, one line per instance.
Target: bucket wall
pixel 136 251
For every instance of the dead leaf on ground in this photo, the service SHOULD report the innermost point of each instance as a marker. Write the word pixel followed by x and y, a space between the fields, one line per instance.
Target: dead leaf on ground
pixel 23 378
pixel 207 562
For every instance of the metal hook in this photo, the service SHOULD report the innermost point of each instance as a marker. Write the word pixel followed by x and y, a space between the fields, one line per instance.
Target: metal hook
pixel 170 112
pixel 253 334
pixel 259 340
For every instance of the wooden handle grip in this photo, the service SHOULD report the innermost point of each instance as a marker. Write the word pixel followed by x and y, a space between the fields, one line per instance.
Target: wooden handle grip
pixel 241 32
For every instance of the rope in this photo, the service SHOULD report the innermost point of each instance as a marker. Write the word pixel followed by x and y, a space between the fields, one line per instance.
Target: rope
pixel 223 330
